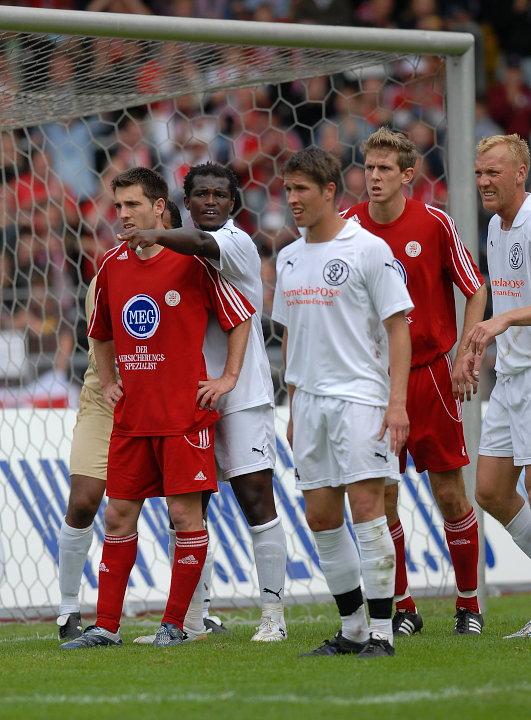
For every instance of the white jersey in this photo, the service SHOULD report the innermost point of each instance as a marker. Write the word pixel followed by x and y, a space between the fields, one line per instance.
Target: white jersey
pixel 332 297
pixel 509 259
pixel 239 263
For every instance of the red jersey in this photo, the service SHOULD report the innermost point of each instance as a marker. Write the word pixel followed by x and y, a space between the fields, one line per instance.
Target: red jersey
pixel 156 311
pixel 431 258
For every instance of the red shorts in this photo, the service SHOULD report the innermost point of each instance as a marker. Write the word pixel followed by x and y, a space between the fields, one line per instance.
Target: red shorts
pixel 436 441
pixel 159 466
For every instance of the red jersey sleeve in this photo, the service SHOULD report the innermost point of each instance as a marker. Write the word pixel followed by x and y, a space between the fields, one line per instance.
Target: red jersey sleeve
pixel 227 303
pixel 457 259
pixel 100 325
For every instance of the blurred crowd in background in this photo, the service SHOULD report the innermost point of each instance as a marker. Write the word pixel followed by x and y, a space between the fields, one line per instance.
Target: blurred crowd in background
pixel 56 212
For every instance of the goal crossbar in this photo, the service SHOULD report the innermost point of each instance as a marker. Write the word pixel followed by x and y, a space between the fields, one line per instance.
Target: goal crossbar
pixel 232 32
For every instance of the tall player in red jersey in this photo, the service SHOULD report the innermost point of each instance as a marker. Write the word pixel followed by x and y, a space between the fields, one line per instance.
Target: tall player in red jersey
pixel 150 315
pixel 431 258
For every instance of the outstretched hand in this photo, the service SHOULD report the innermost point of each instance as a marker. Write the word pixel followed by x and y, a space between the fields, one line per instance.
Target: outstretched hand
pixel 483 333
pixel 480 337
pixel 136 238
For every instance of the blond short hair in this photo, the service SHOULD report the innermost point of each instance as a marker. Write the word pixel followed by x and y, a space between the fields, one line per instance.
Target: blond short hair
pixel 386 139
pixel 517 147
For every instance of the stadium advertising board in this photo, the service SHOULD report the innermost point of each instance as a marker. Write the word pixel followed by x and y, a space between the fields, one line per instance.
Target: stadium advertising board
pixel 34 484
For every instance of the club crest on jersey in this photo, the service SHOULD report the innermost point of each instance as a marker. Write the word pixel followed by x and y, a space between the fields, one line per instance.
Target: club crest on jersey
pixel 413 248
pixel 516 256
pixel 172 298
pixel 335 272
pixel 141 316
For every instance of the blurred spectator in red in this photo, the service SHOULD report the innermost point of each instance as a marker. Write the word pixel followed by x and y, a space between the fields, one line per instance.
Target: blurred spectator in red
pixel 39 187
pixel 509 100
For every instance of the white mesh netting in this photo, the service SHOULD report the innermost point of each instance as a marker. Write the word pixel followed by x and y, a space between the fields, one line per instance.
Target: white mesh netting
pixel 76 112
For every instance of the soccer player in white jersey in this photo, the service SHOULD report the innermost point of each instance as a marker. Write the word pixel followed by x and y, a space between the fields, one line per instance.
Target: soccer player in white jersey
pixel 88 473
pixel 347 353
pixel 245 435
pixel 502 167
pixel 432 259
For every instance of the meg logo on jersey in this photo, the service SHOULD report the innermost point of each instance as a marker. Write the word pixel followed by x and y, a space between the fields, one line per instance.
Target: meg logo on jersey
pixel 141 316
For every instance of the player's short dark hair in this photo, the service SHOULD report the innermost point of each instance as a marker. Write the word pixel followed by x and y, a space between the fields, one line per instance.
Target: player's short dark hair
pixel 213 169
pixel 386 139
pixel 321 166
pixel 176 220
pixel 153 185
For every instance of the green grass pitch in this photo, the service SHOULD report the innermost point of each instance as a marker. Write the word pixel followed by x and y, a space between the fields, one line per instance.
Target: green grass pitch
pixel 434 675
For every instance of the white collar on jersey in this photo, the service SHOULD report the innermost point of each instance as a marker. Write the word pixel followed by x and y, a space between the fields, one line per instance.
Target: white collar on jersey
pixel 229 225
pixel 350 229
pixel 523 213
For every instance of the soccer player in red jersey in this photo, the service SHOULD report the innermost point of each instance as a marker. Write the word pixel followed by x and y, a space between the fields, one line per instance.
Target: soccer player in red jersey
pixel 88 473
pixel 150 315
pixel 431 258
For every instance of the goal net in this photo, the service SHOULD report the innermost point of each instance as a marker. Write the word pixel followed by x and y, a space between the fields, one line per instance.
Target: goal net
pixel 79 106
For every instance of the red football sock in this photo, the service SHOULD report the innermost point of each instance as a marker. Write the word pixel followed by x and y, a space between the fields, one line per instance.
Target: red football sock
pixel 190 554
pixel 117 560
pixel 462 539
pixel 405 601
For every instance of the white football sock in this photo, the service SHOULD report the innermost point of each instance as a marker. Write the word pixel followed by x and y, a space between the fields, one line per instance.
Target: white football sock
pixel 520 529
pixel 378 564
pixel 270 556
pixel 339 559
pixel 74 546
pixel 340 563
pixel 354 627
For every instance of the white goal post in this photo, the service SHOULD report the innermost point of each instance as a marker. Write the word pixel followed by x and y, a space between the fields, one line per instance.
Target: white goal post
pixel 183 57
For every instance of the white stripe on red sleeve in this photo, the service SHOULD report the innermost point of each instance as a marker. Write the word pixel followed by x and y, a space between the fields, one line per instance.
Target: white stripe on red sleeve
pixel 234 295
pixel 109 254
pixel 460 257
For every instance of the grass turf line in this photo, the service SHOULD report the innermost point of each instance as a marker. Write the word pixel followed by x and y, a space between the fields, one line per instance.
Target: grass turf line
pixel 434 675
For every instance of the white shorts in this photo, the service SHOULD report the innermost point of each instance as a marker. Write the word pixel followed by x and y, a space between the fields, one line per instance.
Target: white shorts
pixel 245 441
pixel 335 442
pixel 506 429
